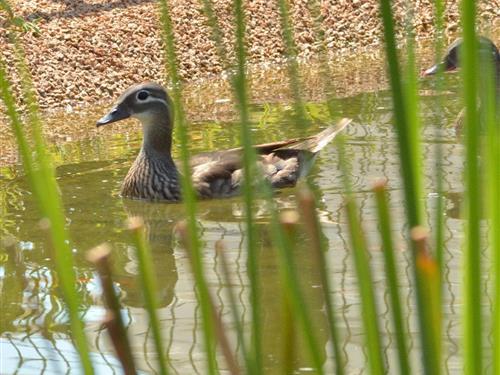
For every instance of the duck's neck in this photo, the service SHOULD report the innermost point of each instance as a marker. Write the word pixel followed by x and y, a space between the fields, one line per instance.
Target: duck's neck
pixel 157 140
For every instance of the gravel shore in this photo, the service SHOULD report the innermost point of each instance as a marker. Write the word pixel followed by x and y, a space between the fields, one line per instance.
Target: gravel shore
pixel 90 50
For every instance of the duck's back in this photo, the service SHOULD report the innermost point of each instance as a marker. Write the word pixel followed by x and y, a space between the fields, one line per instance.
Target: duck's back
pixel 281 164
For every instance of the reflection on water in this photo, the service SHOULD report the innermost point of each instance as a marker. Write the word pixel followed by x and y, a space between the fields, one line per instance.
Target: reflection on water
pixel 34 331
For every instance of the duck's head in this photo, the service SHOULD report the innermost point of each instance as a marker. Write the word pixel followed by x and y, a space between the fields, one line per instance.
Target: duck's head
pixel 451 60
pixel 148 102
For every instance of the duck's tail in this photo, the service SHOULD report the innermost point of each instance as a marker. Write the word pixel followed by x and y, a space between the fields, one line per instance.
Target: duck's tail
pixel 316 142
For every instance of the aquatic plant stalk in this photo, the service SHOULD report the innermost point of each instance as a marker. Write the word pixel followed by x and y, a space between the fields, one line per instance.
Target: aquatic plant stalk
pixel 289 334
pixel 472 319
pixel 40 172
pixel 249 173
pixel 429 273
pixel 490 113
pixel 145 264
pixel 240 91
pixel 292 64
pixel 100 256
pixel 366 290
pixel 188 193
pixel 220 249
pixel 410 170
pixel 313 229
pixel 439 215
pixel 220 331
pixel 391 272
pixel 285 241
pixel 368 308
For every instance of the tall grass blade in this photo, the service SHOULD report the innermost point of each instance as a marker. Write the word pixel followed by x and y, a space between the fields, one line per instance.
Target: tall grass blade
pixel 249 157
pixel 313 230
pixel 429 272
pixel 439 216
pixel 289 334
pixel 405 123
pixel 292 63
pixel 472 323
pixel 250 365
pixel 220 331
pixel 490 106
pixel 384 221
pixel 188 193
pixel 366 289
pixel 240 90
pixel 145 264
pixel 100 256
pixel 40 172
pixel 285 241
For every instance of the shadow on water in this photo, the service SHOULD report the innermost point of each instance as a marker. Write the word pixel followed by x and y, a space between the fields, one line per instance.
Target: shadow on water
pixel 34 334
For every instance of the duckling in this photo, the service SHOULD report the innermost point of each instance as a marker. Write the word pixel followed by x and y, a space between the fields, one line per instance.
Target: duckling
pixel 451 62
pixel 154 175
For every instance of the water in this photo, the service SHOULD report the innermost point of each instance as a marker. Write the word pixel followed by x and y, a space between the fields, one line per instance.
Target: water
pixel 34 336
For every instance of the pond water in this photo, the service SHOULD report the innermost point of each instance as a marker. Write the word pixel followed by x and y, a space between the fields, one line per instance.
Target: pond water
pixel 34 336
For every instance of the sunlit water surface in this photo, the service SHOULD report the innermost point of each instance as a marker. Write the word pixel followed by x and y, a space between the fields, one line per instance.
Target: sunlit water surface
pixel 34 325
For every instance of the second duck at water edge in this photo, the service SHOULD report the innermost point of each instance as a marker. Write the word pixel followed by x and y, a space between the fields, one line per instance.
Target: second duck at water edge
pixel 451 62
pixel 154 175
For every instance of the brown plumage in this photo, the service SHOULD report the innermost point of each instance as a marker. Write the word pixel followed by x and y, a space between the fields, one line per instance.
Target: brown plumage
pixel 154 175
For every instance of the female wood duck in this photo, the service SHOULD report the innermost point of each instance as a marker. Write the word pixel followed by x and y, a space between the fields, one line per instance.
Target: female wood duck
pixel 154 175
pixel 451 62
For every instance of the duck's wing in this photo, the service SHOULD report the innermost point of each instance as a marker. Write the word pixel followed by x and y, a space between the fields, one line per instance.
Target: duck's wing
pixel 220 174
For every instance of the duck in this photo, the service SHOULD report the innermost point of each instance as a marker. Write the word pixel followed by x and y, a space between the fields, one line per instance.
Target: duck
pixel 154 175
pixel 451 62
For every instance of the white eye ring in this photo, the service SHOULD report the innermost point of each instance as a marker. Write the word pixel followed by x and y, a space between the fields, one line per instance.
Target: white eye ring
pixel 142 95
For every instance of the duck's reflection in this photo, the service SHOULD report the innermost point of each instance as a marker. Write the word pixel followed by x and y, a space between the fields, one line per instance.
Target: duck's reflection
pixel 98 216
pixel 159 220
pixel 223 220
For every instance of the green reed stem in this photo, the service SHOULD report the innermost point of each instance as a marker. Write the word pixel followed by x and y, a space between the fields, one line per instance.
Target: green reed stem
pixel 429 273
pixel 285 241
pixel 326 72
pixel 410 170
pixel 292 64
pixel 240 90
pixel 219 328
pixel 188 192
pixel 439 218
pixel 472 324
pixel 411 100
pixel 220 249
pixel 366 289
pixel 40 172
pixel 145 263
pixel 289 335
pixel 100 256
pixel 384 220
pixel 249 158
pixel 313 228
pixel 490 106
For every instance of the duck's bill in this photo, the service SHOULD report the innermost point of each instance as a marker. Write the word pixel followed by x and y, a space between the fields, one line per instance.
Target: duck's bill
pixel 431 71
pixel 116 114
pixel 435 68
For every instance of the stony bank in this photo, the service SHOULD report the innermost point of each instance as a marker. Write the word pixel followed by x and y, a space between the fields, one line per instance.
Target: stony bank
pixel 90 50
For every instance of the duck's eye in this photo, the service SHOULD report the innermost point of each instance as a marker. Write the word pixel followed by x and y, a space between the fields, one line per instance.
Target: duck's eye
pixel 142 95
